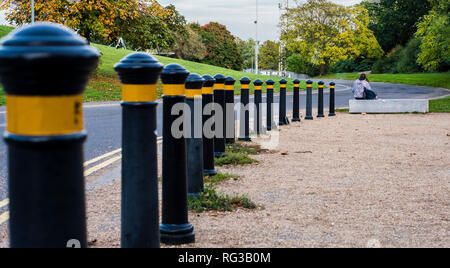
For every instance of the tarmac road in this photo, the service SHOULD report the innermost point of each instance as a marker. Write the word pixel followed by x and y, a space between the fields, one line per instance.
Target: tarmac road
pixel 103 123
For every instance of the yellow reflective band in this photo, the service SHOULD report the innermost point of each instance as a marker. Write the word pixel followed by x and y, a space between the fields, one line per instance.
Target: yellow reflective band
pixel 207 90
pixel 44 116
pixel 245 86
pixel 331 86
pixel 229 87
pixel 269 86
pixel 173 90
pixel 258 87
pixel 321 86
pixel 138 93
pixel 194 93
pixel 296 85
pixel 219 86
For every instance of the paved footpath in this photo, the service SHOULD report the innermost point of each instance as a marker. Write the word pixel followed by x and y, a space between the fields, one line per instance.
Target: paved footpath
pixel 103 123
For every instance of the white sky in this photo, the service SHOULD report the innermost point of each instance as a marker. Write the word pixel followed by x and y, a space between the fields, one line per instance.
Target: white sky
pixel 237 15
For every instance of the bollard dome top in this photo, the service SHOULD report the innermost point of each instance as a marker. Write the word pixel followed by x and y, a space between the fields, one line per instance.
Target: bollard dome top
pixel 174 74
pixel 230 81
pixel 220 78
pixel 270 82
pixel 283 81
pixel 46 59
pixel 245 80
pixel 321 83
pixel 309 82
pixel 332 84
pixel 296 81
pixel 258 82
pixel 209 80
pixel 139 68
pixel 194 81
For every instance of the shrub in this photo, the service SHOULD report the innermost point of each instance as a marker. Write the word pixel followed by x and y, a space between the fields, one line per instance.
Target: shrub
pixel 408 57
pixel 297 64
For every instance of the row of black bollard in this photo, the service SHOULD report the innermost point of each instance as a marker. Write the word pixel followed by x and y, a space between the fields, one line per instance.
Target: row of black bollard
pixel 45 136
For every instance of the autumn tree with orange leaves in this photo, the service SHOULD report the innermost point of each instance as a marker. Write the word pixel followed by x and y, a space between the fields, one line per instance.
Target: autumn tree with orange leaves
pixel 104 20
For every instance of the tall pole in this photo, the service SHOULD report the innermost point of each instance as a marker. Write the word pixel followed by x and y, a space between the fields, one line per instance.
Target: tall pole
pixel 32 11
pixel 257 41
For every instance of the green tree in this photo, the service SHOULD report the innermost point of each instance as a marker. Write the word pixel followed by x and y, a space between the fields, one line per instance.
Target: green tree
pixel 247 49
pixel 434 32
pixel 325 33
pixel 394 22
pixel 94 19
pixel 221 47
pixel 148 33
pixel 269 55
pixel 189 46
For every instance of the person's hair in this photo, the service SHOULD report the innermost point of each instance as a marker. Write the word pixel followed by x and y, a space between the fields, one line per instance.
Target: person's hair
pixel 363 77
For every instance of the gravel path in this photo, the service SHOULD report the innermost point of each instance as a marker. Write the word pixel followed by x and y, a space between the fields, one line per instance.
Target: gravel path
pixel 349 181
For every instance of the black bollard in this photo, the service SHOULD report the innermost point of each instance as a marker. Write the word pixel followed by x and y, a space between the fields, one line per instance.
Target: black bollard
pixel 139 74
pixel 229 117
pixel 283 119
pixel 269 100
pixel 44 69
pixel 208 138
pixel 296 102
pixel 219 126
pixel 194 142
pixel 309 116
pixel 332 99
pixel 320 100
pixel 245 113
pixel 258 106
pixel 175 228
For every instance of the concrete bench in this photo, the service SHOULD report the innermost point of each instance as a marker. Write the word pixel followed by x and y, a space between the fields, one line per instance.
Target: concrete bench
pixel 389 106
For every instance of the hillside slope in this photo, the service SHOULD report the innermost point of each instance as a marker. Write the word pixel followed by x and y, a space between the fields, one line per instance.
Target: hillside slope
pixel 104 85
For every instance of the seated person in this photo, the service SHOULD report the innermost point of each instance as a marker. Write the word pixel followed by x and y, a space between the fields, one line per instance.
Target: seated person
pixel 361 89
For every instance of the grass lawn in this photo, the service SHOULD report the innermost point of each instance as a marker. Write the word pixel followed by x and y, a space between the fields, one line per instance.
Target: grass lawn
pixel 440 106
pixel 419 79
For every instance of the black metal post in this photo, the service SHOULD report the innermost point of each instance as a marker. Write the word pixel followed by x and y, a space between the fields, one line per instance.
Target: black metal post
pixel 258 106
pixel 320 100
pixel 229 110
pixel 332 99
pixel 139 74
pixel 296 103
pixel 194 142
pixel 270 121
pixel 44 69
pixel 219 126
pixel 208 138
pixel 309 116
pixel 283 119
pixel 245 113
pixel 175 228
